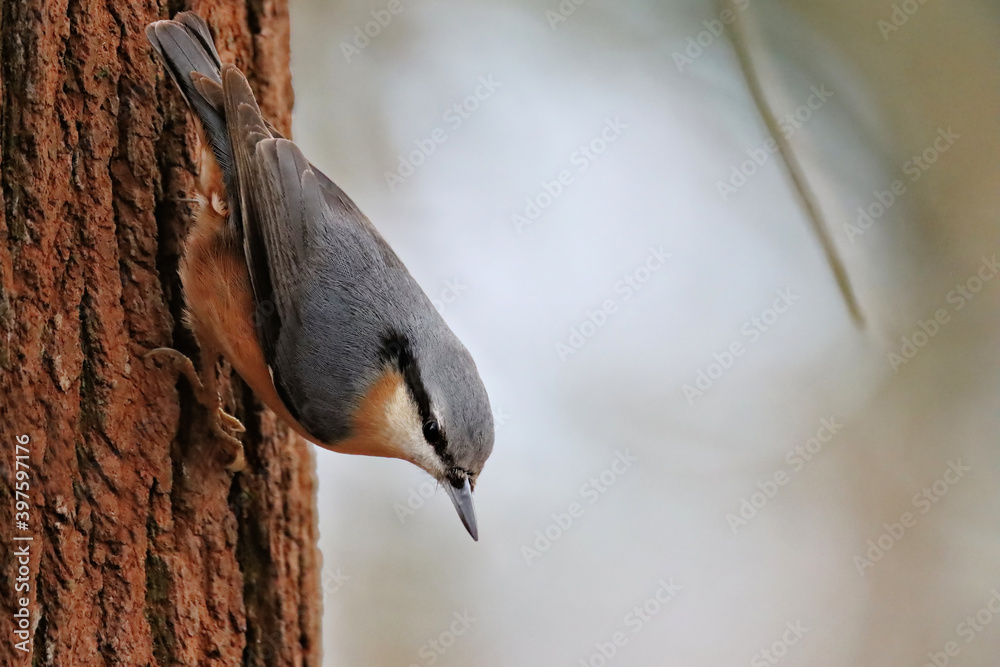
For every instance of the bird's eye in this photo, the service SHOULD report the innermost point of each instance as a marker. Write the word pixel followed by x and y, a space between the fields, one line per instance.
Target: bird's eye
pixel 432 431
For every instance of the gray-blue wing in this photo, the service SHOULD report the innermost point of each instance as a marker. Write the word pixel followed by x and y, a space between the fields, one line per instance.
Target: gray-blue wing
pixel 319 269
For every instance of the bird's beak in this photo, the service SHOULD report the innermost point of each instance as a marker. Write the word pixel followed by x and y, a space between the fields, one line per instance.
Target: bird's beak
pixel 462 498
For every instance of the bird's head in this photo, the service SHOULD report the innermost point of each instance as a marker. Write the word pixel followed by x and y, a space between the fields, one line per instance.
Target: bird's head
pixel 427 405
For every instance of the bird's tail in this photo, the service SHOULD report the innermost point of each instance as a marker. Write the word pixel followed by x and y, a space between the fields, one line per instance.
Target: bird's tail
pixel 186 47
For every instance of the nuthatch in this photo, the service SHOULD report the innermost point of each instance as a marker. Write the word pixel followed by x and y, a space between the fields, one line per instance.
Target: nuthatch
pixel 286 278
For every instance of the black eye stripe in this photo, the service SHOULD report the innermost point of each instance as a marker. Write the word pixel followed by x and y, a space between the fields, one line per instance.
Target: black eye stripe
pixel 396 350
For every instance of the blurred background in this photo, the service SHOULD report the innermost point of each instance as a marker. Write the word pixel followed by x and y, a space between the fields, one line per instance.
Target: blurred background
pixel 700 458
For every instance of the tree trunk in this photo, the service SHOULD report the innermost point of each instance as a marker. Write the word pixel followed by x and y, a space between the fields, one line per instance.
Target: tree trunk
pixel 143 549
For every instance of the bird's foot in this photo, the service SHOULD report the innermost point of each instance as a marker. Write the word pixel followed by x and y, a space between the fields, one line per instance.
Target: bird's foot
pixel 234 446
pixel 217 416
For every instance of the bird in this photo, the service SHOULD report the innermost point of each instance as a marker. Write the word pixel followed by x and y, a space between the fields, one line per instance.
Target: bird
pixel 289 282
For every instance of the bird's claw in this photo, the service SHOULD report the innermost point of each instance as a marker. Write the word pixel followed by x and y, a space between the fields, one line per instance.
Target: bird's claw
pixel 211 401
pixel 231 421
pixel 238 461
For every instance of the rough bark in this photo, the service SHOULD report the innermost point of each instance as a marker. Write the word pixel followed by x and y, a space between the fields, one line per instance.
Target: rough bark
pixel 145 550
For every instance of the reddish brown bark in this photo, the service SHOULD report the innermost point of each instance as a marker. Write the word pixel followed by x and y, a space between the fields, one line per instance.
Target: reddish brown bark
pixel 145 550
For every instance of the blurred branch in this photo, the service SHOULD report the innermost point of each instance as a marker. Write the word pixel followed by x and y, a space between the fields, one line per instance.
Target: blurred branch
pixel 792 166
